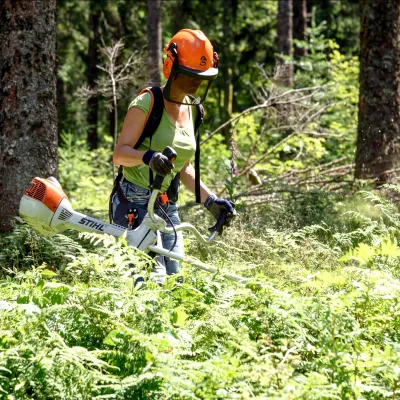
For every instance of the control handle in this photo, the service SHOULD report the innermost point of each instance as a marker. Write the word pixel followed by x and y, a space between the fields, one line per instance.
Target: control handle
pixel 170 153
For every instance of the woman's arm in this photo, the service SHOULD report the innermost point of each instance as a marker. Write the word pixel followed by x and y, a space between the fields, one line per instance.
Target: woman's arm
pixel 219 208
pixel 124 153
pixel 187 176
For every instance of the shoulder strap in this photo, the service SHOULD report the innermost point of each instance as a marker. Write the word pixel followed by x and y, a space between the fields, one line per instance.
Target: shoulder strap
pixel 153 118
pixel 197 124
pixel 155 113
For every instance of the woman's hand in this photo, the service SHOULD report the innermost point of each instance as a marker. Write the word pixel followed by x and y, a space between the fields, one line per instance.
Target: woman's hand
pixel 218 207
pixel 158 162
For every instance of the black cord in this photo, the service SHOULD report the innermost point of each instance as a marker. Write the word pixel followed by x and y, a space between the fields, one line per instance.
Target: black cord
pixel 169 219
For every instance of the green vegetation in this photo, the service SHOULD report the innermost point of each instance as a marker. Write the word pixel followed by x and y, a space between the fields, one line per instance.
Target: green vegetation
pixel 319 315
pixel 318 318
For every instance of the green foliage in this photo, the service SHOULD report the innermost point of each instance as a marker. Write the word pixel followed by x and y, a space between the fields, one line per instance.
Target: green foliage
pixel 341 119
pixel 213 162
pixel 317 318
pixel 313 68
pixel 86 176
pixel 325 64
pixel 24 247
pixel 298 131
pixel 342 22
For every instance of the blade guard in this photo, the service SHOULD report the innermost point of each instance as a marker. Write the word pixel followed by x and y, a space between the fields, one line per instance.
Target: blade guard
pixel 40 202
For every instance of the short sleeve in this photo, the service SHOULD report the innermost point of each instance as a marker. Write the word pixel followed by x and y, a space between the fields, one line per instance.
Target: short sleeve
pixel 143 102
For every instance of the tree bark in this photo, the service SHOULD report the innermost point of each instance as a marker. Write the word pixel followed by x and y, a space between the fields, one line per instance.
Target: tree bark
pixel 93 73
pixel 299 25
pixel 324 13
pixel 284 72
pixel 111 123
pixel 61 104
pixel 154 41
pixel 309 7
pixel 229 18
pixel 182 14
pixel 28 113
pixel 378 141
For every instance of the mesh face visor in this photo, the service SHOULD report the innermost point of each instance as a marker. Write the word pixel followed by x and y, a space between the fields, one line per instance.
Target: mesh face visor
pixel 192 82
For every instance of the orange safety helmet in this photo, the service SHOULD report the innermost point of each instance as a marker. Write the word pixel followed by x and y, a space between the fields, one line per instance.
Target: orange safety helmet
pixel 190 53
pixel 194 53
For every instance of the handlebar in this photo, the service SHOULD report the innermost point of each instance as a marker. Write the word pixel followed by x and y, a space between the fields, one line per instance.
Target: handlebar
pixel 156 188
pixel 170 153
pixel 181 227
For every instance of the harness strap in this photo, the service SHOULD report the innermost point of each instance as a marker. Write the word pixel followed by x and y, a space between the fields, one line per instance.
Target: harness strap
pixel 155 113
pixel 198 123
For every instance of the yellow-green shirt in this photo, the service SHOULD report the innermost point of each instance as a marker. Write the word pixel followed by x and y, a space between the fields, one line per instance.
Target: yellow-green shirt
pixel 182 140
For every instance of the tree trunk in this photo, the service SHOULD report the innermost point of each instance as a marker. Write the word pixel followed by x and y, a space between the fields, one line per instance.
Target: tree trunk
pixel 182 13
pixel 284 72
pixel 309 7
pixel 378 141
pixel 229 15
pixel 299 25
pixel 61 104
pixel 93 73
pixel 111 123
pixel 324 13
pixel 154 40
pixel 28 113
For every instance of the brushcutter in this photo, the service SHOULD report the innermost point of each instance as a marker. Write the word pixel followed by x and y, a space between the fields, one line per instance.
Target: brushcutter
pixel 47 209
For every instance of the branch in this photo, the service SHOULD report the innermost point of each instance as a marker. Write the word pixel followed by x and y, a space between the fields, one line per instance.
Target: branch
pixel 293 101
pixel 342 167
pixel 257 107
pixel 315 88
pixel 127 65
pixel 271 102
pixel 318 134
pixel 245 170
pixel 287 174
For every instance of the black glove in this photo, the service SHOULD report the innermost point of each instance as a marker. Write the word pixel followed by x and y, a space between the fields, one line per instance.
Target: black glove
pixel 158 162
pixel 222 210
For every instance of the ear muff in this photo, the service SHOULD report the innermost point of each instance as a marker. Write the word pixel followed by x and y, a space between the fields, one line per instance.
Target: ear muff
pixel 172 55
pixel 215 60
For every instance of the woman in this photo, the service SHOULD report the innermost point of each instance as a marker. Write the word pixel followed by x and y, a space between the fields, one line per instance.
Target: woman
pixel 190 64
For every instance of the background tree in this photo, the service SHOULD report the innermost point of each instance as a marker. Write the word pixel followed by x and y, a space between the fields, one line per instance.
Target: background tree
pixel 229 18
pixel 92 70
pixel 124 19
pixel 28 114
pixel 154 41
pixel 299 25
pixel 284 73
pixel 72 37
pixel 182 14
pixel 378 141
pixel 340 20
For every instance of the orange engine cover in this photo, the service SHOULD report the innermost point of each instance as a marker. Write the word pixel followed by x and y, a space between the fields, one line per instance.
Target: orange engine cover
pixel 49 192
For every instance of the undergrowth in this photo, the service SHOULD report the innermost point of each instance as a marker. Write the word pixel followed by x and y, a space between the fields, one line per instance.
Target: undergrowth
pixel 318 317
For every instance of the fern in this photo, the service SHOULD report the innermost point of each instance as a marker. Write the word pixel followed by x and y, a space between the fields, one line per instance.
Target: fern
pixel 308 323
